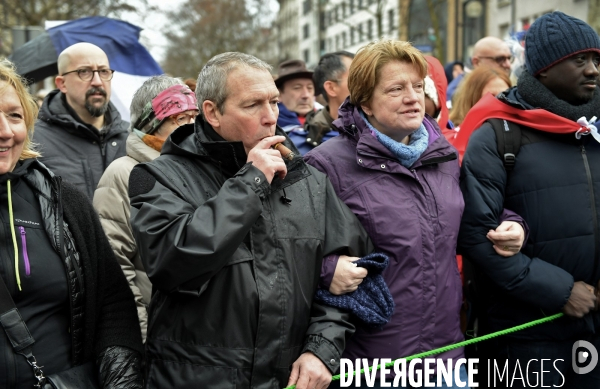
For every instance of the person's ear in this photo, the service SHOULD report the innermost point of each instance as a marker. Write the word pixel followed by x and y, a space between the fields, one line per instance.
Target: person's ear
pixel 475 61
pixel 211 114
pixel 330 88
pixel 543 74
pixel 60 83
pixel 367 109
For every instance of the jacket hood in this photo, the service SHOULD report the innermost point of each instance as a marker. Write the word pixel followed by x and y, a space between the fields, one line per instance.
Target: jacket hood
pixel 513 97
pixel 286 117
pixel 54 111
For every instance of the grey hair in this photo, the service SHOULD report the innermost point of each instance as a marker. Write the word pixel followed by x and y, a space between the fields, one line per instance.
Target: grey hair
pixel 149 90
pixel 212 80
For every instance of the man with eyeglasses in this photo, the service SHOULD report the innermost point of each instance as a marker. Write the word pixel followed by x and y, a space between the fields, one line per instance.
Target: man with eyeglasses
pixel 489 51
pixel 79 131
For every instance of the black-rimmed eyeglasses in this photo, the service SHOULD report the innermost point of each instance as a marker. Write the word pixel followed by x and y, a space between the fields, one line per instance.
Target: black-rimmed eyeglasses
pixel 87 74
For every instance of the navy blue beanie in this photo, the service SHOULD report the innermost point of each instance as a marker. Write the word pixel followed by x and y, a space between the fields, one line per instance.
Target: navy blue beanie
pixel 372 302
pixel 554 37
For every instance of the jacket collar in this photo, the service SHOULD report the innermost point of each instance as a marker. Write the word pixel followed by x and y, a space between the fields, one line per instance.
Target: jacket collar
pixel 287 117
pixel 56 110
pixel 138 150
pixel 370 153
pixel 200 141
pixel 322 117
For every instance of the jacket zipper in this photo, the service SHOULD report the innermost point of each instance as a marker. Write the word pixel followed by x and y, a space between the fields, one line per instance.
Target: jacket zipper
pixel 25 255
pixel 593 205
pixel 8 266
pixel 59 224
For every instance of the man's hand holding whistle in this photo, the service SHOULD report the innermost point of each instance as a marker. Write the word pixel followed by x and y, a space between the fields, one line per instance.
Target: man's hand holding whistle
pixel 268 160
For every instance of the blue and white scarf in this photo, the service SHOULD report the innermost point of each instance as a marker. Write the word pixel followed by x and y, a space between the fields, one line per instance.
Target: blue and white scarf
pixel 406 154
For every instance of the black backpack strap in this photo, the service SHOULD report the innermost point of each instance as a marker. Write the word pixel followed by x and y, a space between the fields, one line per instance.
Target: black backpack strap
pixel 508 139
pixel 17 332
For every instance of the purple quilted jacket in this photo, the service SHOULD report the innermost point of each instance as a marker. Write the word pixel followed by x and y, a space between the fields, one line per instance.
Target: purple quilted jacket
pixel 413 216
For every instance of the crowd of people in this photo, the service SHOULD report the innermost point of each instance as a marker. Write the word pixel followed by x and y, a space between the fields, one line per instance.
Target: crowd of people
pixel 234 235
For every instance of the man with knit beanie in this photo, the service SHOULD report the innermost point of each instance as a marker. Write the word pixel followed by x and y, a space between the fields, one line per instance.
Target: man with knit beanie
pixel 550 176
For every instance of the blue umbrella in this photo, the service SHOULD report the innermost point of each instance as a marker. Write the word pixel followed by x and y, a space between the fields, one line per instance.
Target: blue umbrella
pixel 37 59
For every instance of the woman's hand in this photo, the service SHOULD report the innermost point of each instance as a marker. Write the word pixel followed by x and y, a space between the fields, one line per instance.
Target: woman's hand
pixel 347 276
pixel 507 238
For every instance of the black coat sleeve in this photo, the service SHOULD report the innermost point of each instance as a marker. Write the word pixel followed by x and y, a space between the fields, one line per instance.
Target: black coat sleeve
pixel 483 182
pixel 182 244
pixel 330 327
pixel 110 314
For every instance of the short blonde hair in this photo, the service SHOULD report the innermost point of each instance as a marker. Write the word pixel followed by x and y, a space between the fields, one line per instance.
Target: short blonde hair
pixel 365 70
pixel 9 75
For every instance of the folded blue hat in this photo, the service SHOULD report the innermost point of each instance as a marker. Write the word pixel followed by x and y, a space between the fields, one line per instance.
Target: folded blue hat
pixel 372 302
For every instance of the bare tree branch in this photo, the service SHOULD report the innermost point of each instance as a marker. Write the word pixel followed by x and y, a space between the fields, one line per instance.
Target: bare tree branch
pixel 202 29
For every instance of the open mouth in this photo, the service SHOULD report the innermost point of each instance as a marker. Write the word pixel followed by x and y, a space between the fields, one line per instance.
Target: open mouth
pixel 411 112
pixel 2 149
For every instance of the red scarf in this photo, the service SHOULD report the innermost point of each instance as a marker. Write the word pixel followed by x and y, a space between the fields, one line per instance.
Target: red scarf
pixel 490 107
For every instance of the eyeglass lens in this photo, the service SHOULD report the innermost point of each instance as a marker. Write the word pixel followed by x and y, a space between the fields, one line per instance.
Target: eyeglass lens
pixel 87 74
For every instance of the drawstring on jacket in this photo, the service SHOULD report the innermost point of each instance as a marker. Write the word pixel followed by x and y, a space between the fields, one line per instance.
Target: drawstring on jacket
pixel 12 233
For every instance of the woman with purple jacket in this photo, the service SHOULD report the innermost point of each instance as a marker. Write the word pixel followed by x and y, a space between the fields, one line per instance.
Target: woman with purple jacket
pixel 399 175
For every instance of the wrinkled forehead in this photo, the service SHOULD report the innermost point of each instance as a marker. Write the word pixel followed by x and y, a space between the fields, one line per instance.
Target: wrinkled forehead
pixel 247 81
pixel 88 58
pixel 297 82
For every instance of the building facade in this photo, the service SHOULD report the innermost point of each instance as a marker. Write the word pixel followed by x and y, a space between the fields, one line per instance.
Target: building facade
pixel 288 39
pixel 499 15
pixel 350 24
pixel 316 27
pixel 447 29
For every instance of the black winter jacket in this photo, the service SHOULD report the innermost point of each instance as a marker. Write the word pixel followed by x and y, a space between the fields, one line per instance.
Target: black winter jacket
pixel 76 151
pixel 235 269
pixel 103 323
pixel 555 188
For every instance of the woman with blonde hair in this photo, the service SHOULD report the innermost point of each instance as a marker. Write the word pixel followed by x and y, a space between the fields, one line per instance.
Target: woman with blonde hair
pixel 475 85
pixel 65 307
pixel 396 171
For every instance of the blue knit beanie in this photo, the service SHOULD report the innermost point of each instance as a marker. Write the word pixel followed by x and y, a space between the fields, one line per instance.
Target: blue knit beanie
pixel 554 37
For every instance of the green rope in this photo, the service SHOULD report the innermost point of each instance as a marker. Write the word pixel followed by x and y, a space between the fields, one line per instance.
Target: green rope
pixel 457 345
